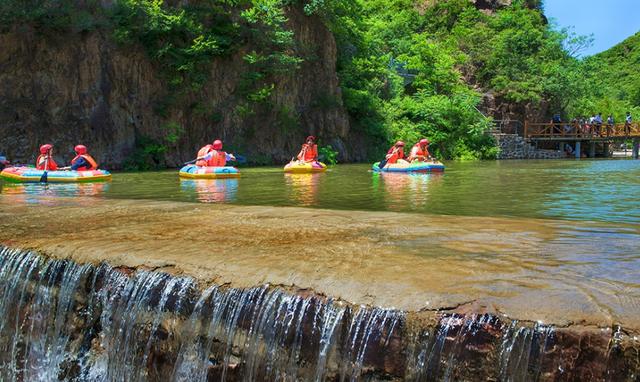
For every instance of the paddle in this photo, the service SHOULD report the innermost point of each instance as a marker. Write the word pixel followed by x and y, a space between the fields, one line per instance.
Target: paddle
pixel 44 177
pixel 239 158
pixel 385 160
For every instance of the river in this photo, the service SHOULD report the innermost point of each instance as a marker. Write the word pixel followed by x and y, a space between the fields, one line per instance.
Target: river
pixel 601 190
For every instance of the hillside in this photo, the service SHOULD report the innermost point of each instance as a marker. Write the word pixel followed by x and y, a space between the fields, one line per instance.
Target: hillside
pixel 619 70
pixel 144 83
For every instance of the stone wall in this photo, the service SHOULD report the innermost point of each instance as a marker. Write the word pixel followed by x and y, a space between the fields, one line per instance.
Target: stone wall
pixel 513 146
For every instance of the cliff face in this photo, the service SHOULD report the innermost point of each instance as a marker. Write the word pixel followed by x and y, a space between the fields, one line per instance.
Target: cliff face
pixel 83 88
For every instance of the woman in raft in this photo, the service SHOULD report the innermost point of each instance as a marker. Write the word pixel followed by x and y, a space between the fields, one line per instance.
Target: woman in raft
pixel 45 159
pixel 396 154
pixel 420 152
pixel 309 151
pixel 213 156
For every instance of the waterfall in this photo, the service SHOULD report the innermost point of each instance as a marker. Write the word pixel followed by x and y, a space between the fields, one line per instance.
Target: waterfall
pixel 63 321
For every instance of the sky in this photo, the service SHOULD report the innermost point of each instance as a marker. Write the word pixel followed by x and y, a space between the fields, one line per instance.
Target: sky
pixel 610 21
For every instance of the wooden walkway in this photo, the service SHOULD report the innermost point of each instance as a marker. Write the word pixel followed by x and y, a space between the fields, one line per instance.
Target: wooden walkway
pixel 585 132
pixel 595 138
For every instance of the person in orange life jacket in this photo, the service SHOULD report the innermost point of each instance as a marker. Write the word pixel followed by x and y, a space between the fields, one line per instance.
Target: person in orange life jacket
pixel 213 156
pixel 309 151
pixel 82 161
pixel 396 153
pixel 420 151
pixel 45 159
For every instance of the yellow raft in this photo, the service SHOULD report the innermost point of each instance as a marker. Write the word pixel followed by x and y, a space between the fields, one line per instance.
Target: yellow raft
pixel 298 167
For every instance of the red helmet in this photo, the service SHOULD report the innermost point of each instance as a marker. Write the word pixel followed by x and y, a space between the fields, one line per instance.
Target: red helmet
pixel 399 143
pixel 80 149
pixel 217 144
pixel 310 137
pixel 424 142
pixel 46 148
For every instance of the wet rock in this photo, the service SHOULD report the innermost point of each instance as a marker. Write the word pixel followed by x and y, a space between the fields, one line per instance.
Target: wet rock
pixel 266 333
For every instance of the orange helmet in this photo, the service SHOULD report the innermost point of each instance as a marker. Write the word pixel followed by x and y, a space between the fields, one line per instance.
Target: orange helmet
pixel 46 148
pixel 217 144
pixel 424 142
pixel 80 149
pixel 399 144
pixel 310 137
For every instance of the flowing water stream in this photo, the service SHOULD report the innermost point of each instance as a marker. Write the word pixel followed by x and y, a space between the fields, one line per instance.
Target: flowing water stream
pixel 60 320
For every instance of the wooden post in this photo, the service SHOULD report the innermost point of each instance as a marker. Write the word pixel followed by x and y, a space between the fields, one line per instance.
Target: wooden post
pixel 526 128
pixel 578 150
pixel 636 148
pixel 592 149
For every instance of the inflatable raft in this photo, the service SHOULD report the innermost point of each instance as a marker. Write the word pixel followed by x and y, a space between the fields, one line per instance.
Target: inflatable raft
pixel 196 172
pixel 410 167
pixel 297 167
pixel 33 175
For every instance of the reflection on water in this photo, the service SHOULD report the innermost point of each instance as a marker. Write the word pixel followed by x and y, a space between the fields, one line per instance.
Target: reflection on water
pixel 405 190
pixel 303 188
pixel 211 190
pixel 594 190
pixel 32 192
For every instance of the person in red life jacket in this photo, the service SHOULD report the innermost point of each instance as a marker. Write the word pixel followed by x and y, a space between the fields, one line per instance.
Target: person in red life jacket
pixel 213 156
pixel 82 160
pixel 420 151
pixel 396 153
pixel 309 151
pixel 45 159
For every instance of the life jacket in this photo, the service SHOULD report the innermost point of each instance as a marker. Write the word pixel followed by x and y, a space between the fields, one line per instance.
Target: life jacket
pixel 51 164
pixel 417 152
pixel 201 154
pixel 93 165
pixel 397 155
pixel 219 159
pixel 308 153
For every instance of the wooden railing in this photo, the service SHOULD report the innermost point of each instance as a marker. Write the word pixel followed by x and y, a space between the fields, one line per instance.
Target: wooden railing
pixel 577 130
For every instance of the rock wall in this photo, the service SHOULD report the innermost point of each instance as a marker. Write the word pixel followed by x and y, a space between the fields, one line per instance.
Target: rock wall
pixel 513 146
pixel 82 88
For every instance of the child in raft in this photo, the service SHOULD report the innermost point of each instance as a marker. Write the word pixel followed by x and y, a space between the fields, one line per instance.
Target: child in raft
pixel 82 161
pixel 213 156
pixel 309 151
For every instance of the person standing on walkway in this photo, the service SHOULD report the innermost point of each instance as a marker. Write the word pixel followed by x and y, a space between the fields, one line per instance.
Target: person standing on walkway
pixel 610 123
pixel 627 124
pixel 598 124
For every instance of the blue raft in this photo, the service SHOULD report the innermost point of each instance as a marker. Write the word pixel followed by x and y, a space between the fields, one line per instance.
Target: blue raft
pixel 192 171
pixel 410 167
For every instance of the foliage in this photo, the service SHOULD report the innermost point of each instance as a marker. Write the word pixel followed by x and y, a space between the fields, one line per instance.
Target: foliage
pixel 183 40
pixel 614 81
pixel 328 154
pixel 400 80
pixel 149 153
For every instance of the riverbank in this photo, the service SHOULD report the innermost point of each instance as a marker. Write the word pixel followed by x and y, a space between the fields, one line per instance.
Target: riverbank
pixel 522 268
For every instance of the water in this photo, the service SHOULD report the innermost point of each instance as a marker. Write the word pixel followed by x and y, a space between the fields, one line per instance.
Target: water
pixel 96 323
pixel 63 321
pixel 593 190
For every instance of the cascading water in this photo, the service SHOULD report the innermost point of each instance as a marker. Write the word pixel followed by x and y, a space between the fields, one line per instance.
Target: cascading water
pixel 64 321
